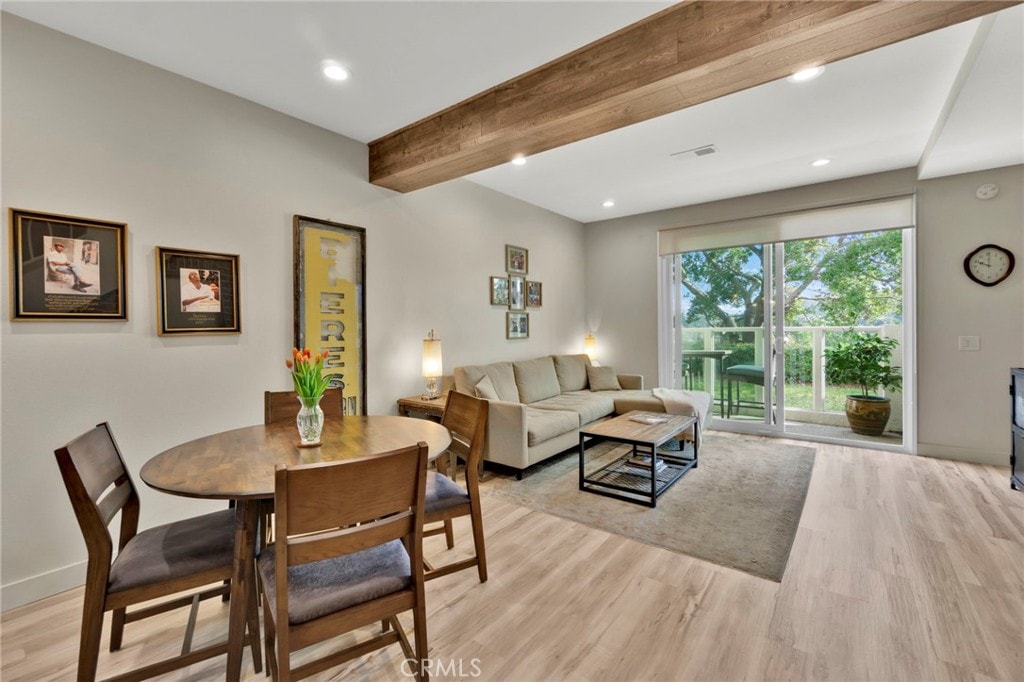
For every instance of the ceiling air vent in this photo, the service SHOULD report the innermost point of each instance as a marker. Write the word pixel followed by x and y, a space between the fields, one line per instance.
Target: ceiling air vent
pixel 696 152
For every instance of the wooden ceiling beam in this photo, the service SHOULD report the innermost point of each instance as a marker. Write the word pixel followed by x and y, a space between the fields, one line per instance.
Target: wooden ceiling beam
pixel 690 53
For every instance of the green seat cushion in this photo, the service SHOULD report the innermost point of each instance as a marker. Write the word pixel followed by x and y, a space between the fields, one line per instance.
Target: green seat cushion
pixel 753 374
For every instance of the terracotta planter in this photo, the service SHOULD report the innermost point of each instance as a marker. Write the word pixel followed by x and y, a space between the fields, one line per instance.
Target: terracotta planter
pixel 868 414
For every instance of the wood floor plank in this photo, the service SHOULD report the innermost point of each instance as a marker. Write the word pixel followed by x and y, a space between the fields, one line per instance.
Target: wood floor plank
pixel 903 568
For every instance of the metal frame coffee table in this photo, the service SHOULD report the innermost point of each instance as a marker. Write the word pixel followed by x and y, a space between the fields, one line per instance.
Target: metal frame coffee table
pixel 627 477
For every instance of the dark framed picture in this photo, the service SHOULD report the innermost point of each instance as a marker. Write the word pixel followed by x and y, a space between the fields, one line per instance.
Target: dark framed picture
pixel 197 292
pixel 499 290
pixel 67 268
pixel 534 294
pixel 516 293
pixel 330 302
pixel 517 325
pixel 516 260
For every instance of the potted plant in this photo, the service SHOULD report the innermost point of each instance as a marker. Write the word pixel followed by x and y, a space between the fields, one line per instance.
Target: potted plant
pixel 864 360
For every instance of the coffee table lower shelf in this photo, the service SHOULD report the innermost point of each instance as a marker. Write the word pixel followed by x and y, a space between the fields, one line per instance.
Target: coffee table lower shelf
pixel 625 481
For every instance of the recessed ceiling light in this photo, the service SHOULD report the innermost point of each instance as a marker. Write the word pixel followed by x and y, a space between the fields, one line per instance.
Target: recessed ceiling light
pixel 518 160
pixel 806 74
pixel 608 203
pixel 821 162
pixel 334 70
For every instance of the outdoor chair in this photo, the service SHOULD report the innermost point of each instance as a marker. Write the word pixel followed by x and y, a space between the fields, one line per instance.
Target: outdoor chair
pixel 742 374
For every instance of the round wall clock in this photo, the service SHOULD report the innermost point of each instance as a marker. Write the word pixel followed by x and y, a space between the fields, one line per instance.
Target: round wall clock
pixel 987 191
pixel 988 265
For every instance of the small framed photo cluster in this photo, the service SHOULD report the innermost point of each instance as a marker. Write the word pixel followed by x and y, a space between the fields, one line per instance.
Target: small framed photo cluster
pixel 515 292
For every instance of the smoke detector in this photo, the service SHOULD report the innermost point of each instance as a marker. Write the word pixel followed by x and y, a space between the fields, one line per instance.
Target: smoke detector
pixel 696 152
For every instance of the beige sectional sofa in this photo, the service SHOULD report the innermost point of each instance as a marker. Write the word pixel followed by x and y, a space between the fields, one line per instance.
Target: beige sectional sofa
pixel 536 407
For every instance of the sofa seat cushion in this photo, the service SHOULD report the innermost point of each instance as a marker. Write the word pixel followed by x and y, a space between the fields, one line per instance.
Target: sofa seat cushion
pixel 589 406
pixel 571 371
pixel 500 374
pixel 626 401
pixel 542 425
pixel 536 379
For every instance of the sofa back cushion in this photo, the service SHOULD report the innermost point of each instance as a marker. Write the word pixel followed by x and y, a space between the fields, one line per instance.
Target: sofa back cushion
pixel 500 374
pixel 536 379
pixel 603 379
pixel 571 371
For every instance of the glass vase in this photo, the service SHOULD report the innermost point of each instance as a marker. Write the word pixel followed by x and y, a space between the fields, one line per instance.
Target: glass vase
pixel 310 421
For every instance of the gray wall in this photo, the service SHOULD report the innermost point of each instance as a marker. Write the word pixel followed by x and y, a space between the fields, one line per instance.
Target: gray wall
pixel 963 406
pixel 90 133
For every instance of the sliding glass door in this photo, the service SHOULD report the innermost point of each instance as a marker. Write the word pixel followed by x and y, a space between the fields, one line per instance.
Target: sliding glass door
pixel 752 323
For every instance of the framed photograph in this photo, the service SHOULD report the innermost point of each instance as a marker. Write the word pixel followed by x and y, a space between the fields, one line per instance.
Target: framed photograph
pixel 516 293
pixel 197 292
pixel 517 325
pixel 330 302
pixel 499 290
pixel 534 297
pixel 516 260
pixel 67 268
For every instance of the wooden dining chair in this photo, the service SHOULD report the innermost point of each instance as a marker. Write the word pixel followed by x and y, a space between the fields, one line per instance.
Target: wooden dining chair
pixel 158 562
pixel 279 406
pixel 465 417
pixel 348 553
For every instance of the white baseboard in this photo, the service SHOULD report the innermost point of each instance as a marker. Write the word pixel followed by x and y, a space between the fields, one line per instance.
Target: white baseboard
pixel 13 595
pixel 963 454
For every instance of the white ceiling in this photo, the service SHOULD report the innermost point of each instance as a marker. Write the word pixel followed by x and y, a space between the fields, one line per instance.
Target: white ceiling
pixel 916 103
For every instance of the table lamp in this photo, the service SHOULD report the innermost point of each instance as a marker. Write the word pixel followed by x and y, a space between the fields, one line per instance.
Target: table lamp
pixel 590 346
pixel 432 365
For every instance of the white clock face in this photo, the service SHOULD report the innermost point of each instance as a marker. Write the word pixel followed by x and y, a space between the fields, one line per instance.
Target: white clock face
pixel 989 265
pixel 987 191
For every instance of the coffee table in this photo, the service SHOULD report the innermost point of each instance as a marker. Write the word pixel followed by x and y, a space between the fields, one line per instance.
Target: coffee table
pixel 628 477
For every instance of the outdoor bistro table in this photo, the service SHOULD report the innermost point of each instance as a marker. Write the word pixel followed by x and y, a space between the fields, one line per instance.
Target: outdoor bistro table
pixel 719 357
pixel 239 465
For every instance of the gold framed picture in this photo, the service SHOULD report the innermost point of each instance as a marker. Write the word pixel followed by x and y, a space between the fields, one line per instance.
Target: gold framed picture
pixel 197 292
pixel 67 268
pixel 517 325
pixel 516 260
pixel 534 294
pixel 499 290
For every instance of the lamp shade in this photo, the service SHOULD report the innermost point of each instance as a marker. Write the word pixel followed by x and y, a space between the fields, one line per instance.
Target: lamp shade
pixel 432 356
pixel 590 346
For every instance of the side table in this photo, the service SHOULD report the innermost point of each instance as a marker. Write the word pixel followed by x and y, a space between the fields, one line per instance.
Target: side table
pixel 433 409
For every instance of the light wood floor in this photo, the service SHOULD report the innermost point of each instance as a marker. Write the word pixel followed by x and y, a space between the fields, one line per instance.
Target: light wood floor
pixel 903 568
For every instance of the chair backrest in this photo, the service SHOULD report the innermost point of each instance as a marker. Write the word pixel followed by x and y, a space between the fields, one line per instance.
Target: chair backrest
pixel 318 507
pixel 100 487
pixel 279 406
pixel 465 417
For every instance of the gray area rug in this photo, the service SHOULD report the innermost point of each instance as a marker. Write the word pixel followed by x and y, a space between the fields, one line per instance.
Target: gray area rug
pixel 739 508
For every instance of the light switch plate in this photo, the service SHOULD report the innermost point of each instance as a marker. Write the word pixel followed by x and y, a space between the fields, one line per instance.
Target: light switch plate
pixel 969 343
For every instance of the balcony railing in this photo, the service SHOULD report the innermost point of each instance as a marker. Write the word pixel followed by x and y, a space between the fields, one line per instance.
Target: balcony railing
pixel 743 341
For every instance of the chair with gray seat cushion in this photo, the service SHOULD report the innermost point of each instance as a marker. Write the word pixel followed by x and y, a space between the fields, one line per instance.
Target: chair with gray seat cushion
pixel 158 562
pixel 347 553
pixel 465 417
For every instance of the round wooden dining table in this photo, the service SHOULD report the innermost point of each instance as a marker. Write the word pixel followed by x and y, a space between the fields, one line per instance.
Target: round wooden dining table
pixel 239 465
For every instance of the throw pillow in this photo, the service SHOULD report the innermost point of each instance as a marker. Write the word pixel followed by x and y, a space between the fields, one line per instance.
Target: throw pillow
pixel 485 389
pixel 602 378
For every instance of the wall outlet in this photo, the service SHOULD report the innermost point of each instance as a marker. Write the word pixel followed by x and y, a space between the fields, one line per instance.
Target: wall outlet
pixel 969 343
